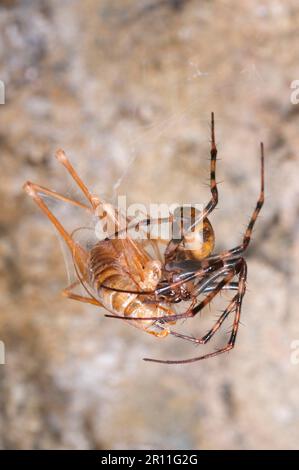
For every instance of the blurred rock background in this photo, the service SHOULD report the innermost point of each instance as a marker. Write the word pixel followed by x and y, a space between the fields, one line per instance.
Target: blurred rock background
pixel 126 88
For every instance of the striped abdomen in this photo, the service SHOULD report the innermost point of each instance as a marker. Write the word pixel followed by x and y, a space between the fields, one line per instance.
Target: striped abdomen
pixel 114 264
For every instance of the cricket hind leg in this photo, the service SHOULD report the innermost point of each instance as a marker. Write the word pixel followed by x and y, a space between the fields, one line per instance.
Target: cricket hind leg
pixel 94 201
pixel 70 294
pixel 77 251
pixel 63 159
pixel 55 195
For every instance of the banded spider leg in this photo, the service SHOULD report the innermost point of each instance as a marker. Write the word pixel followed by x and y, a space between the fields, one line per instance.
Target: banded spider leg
pixel 174 243
pixel 219 263
pixel 233 255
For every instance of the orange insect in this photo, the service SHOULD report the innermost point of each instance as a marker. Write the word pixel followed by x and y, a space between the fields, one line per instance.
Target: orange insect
pixel 120 275
pixel 118 263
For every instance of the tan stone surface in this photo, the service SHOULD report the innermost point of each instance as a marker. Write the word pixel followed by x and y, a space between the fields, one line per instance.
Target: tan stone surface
pixel 127 90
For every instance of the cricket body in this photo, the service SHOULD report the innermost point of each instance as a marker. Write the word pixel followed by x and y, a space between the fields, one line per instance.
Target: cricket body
pixel 119 269
pixel 119 273
pixel 115 271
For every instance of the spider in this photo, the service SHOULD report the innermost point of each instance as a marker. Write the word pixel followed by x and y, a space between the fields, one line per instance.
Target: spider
pixel 121 276
pixel 207 272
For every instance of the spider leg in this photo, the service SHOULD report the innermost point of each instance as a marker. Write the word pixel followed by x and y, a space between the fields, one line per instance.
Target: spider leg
pixel 173 244
pixel 204 339
pixel 238 250
pixel 184 277
pixel 211 284
pixel 232 339
pixel 230 286
pixel 213 185
pixel 191 312
pixel 259 205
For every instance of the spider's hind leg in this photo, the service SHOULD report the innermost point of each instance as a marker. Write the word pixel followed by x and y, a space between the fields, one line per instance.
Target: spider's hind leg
pixel 238 250
pixel 204 339
pixel 237 300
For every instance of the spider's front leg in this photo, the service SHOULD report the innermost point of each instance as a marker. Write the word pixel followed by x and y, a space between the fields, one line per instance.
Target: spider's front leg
pixel 174 244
